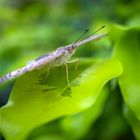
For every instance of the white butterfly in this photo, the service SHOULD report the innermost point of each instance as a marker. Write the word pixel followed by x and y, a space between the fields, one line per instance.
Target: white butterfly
pixel 61 56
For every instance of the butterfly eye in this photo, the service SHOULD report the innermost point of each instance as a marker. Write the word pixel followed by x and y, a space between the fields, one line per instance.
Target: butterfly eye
pixel 70 49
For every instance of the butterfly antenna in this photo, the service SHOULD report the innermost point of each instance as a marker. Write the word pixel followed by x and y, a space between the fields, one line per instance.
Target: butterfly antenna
pixel 95 31
pixel 84 33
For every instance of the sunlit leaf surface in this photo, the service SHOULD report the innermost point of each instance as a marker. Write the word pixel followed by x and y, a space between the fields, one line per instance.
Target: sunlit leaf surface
pixel 127 50
pixel 35 100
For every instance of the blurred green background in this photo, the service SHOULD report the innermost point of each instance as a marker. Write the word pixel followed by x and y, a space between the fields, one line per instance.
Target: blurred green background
pixel 29 28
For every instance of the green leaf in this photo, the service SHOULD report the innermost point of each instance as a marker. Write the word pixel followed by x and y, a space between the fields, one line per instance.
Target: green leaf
pixel 74 126
pixel 78 125
pixel 35 100
pixel 127 50
pixel 134 122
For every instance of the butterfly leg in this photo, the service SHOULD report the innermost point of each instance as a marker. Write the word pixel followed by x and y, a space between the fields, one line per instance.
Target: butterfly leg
pixel 48 72
pixel 76 66
pixel 72 61
pixel 67 69
pixel 67 74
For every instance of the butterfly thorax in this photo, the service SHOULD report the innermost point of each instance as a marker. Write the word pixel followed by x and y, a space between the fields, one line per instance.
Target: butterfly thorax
pixel 62 55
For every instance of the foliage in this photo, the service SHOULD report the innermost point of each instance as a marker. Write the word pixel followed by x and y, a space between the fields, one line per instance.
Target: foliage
pixel 103 100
